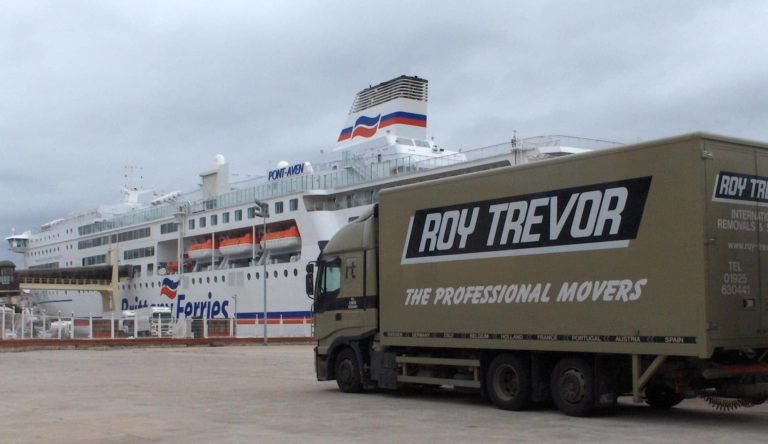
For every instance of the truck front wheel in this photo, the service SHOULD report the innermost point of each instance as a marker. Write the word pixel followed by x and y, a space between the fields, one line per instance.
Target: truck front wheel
pixel 347 371
pixel 509 382
pixel 573 387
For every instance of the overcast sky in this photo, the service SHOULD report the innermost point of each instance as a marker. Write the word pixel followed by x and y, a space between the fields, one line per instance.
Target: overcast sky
pixel 88 87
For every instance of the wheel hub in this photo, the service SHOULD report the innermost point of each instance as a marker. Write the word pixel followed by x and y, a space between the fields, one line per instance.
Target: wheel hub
pixel 572 386
pixel 507 382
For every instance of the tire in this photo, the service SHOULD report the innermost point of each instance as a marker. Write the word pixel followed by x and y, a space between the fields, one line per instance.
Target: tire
pixel 347 371
pixel 573 387
pixel 508 382
pixel 662 396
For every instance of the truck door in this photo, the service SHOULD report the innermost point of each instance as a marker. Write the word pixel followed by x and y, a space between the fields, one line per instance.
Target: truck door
pixel 761 299
pixel 341 307
pixel 734 260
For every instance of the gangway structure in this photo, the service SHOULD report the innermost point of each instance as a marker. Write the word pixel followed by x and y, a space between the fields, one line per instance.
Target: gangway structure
pixel 103 279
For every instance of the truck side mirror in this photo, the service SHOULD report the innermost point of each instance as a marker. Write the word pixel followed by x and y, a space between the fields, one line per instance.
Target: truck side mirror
pixel 309 281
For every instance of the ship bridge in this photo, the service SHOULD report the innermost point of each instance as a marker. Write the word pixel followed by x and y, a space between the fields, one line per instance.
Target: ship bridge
pixel 103 279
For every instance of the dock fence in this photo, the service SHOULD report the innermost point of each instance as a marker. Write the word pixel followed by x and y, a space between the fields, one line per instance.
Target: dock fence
pixel 21 326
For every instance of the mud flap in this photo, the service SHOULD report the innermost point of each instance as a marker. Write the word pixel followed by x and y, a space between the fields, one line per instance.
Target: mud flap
pixel 384 369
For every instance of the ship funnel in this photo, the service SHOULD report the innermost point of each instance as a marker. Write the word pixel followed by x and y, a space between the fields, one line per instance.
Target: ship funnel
pixel 396 108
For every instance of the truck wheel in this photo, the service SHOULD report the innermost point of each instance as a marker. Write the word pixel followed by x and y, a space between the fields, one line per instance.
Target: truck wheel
pixel 348 372
pixel 573 387
pixel 508 382
pixel 662 396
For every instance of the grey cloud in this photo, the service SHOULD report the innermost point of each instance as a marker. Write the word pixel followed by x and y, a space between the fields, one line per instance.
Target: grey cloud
pixel 90 86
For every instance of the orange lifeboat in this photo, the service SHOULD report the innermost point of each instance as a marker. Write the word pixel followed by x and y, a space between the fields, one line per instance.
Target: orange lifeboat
pixel 282 241
pixel 238 246
pixel 203 250
pixel 173 267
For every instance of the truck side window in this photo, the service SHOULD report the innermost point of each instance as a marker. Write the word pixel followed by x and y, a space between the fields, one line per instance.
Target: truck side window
pixel 330 284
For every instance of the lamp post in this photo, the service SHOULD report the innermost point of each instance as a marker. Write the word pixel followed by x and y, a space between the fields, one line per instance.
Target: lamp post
pixel 264 210
pixel 179 219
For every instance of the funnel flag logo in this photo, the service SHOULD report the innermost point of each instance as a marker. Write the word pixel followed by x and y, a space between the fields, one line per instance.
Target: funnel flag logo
pixel 367 126
pixel 169 288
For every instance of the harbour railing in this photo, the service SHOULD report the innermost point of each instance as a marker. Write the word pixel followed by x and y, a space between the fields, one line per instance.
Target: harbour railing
pixel 22 326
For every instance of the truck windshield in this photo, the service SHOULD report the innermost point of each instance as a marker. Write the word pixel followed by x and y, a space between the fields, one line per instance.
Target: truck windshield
pixel 329 283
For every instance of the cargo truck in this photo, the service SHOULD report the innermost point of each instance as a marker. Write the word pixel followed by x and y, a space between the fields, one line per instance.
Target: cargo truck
pixel 640 270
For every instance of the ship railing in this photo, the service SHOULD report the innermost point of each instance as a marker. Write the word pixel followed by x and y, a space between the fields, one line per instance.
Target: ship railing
pixel 126 325
pixel 353 170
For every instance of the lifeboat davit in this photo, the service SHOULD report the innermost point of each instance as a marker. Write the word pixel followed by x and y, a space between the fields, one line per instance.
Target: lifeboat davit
pixel 283 241
pixel 203 250
pixel 238 246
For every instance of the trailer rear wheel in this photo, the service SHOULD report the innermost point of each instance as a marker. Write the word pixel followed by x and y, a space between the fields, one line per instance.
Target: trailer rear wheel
pixel 509 382
pixel 348 372
pixel 573 387
pixel 662 396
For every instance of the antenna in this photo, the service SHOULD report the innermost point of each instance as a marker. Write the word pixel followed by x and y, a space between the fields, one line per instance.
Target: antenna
pixel 133 177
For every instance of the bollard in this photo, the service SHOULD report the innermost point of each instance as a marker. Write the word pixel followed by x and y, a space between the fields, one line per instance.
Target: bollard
pixel 3 322
pixel 280 330
pixel 135 324
pixel 73 326
pixel 112 326
pixel 23 324
pixel 72 332
pixel 90 325
pixel 205 326
pixel 231 327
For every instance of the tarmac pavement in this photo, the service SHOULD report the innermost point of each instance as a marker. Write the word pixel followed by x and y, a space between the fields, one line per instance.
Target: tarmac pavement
pixel 252 393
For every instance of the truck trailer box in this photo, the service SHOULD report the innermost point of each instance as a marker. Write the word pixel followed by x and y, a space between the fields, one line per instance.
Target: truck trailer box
pixel 654 249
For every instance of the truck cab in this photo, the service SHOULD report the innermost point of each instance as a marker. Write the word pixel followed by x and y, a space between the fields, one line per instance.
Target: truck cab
pixel 345 292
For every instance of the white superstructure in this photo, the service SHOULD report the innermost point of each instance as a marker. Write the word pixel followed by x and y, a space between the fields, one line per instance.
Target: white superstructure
pixel 203 253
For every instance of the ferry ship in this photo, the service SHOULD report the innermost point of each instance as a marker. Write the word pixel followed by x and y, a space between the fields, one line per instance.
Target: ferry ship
pixel 214 252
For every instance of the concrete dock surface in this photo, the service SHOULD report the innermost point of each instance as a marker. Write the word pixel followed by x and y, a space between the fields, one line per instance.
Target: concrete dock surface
pixel 269 394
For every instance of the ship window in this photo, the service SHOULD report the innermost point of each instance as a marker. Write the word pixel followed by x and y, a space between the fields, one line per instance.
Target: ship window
pixel 278 207
pixel 238 215
pixel 215 279
pixel 202 222
pixel 208 280
pixel 191 224
pixel 275 273
pixel 225 217
pixel 251 212
pixel 248 276
pixel 285 273
pixel 257 275
pixel 214 219
pixel 94 260
pixel 295 272
pixel 170 227
pixel 139 253
pixel 293 204
pixel 222 279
